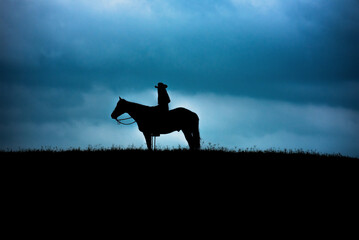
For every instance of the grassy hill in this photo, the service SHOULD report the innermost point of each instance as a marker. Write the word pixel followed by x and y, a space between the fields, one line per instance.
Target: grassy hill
pixel 136 154
pixel 135 175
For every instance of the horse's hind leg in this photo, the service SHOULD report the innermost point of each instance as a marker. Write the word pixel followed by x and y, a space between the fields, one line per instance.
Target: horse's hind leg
pixel 189 138
pixel 148 141
pixel 196 139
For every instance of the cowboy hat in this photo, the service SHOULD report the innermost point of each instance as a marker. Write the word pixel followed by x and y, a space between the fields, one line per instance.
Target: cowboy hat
pixel 161 85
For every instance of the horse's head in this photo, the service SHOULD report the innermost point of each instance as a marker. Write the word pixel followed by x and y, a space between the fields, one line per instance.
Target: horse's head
pixel 119 109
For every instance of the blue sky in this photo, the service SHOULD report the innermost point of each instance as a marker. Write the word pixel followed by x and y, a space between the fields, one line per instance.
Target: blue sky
pixel 268 73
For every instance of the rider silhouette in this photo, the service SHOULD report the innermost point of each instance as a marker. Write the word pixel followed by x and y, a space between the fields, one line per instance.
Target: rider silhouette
pixel 163 98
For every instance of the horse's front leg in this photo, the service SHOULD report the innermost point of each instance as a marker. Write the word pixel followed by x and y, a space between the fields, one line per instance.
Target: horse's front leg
pixel 148 140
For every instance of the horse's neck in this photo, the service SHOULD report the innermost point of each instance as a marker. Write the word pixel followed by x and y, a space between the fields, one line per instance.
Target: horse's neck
pixel 136 110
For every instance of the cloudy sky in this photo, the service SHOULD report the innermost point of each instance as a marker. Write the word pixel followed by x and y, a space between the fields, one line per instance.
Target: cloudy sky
pixel 263 73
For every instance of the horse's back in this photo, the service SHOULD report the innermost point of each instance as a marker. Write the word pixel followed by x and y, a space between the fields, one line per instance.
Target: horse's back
pixel 183 117
pixel 159 122
pixel 182 111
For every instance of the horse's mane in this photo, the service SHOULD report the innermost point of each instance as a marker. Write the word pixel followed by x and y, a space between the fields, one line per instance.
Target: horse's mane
pixel 137 105
pixel 138 109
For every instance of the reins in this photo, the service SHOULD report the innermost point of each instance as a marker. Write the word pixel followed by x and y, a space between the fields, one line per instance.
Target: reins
pixel 122 119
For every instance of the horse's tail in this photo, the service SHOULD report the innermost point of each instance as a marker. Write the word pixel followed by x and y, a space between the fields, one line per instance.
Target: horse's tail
pixel 196 136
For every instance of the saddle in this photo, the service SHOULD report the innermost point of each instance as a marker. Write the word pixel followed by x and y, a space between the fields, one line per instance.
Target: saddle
pixel 160 117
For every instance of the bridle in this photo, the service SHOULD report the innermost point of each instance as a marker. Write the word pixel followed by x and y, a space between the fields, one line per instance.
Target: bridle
pixel 122 119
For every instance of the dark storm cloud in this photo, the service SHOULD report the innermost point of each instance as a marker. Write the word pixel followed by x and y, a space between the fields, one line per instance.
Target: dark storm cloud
pixel 241 47
pixel 240 42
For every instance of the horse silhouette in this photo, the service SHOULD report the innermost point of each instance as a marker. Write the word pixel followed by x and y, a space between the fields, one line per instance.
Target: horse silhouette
pixel 153 122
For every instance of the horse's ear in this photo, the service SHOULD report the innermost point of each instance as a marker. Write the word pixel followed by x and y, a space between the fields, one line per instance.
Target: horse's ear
pixel 120 98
